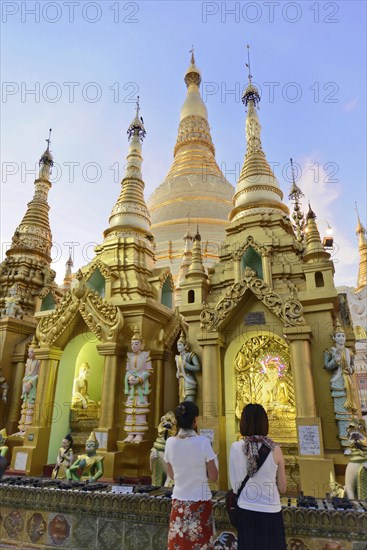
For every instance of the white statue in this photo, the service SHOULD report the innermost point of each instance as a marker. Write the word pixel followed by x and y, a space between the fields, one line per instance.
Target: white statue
pixel 340 360
pixel 29 389
pixel 137 388
pixel 12 307
pixel 187 363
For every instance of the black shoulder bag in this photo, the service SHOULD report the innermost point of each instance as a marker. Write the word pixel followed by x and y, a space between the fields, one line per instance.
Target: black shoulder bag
pixel 232 497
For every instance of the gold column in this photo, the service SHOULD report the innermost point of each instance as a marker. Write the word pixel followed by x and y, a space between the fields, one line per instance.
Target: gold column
pixel 46 385
pixel 33 454
pixel 237 266
pixel 157 388
pixel 299 341
pixel 113 354
pixel 16 393
pixel 267 268
pixel 212 413
pixel 314 468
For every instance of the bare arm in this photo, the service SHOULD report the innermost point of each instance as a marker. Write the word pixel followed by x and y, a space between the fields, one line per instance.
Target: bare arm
pixel 170 470
pixel 281 477
pixel 212 470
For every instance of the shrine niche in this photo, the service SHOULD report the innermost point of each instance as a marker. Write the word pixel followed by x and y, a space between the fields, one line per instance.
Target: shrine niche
pixel 263 375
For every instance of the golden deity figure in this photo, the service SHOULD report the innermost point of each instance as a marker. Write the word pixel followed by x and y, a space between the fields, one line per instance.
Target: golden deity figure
pixel 80 398
pixel 339 360
pixel 64 458
pixel 12 304
pixel 88 467
pixel 187 363
pixel 29 390
pixel 275 396
pixel 137 388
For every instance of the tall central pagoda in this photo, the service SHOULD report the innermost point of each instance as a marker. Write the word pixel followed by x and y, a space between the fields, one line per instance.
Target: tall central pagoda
pixel 194 186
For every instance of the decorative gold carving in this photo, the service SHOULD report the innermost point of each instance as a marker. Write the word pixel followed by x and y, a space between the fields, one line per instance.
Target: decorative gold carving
pixel 174 327
pixel 102 318
pixel 250 241
pixel 263 375
pixel 289 311
pixel 98 264
pixel 271 188
pixel 164 276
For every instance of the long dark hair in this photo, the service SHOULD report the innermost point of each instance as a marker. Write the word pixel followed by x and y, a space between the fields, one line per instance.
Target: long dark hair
pixel 254 420
pixel 185 414
pixel 70 439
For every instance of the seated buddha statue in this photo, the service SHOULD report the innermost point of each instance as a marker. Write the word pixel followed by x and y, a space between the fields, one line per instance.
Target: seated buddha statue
pixel 275 391
pixel 80 398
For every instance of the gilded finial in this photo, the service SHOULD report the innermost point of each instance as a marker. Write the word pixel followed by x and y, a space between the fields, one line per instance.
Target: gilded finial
pixel 360 228
pixel 248 64
pixel 192 55
pixel 197 236
pixel 49 139
pixel 295 192
pixel 310 213
pixel 251 92
pixel 46 160
pixel 136 128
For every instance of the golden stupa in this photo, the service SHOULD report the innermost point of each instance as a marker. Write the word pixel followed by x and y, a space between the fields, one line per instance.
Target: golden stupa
pixel 194 187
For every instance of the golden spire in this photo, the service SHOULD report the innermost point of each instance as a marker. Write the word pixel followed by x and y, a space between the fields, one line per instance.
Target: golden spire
pixel 314 250
pixel 33 234
pixel 362 246
pixel 68 271
pixel 186 256
pixel 196 269
pixel 194 150
pixel 257 187
pixel 295 194
pixel 130 215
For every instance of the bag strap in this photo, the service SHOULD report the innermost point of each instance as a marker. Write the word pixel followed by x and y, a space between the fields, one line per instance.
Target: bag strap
pixel 263 453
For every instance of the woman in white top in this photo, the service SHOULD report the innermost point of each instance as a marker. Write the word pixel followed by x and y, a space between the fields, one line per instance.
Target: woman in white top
pixel 191 462
pixel 260 516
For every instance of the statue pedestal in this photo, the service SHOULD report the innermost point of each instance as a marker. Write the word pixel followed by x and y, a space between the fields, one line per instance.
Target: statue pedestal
pixel 82 422
pixel 134 458
pixel 32 455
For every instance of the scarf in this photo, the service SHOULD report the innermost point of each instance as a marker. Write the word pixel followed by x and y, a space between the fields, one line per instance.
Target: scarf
pixel 183 433
pixel 251 451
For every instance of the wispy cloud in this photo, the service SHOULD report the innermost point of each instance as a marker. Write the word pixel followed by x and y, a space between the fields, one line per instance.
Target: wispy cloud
pixel 351 105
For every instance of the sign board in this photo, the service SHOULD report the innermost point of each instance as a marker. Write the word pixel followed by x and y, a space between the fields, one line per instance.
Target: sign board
pixel 309 440
pixel 21 461
pixel 255 318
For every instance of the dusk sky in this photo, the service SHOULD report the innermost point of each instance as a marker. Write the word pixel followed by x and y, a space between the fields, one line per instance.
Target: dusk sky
pixel 77 67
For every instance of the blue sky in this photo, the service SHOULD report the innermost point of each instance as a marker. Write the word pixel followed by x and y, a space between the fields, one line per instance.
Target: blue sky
pixel 87 61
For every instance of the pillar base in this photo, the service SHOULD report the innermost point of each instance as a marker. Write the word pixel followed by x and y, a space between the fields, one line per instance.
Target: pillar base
pixel 315 475
pixel 32 455
pixel 134 458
